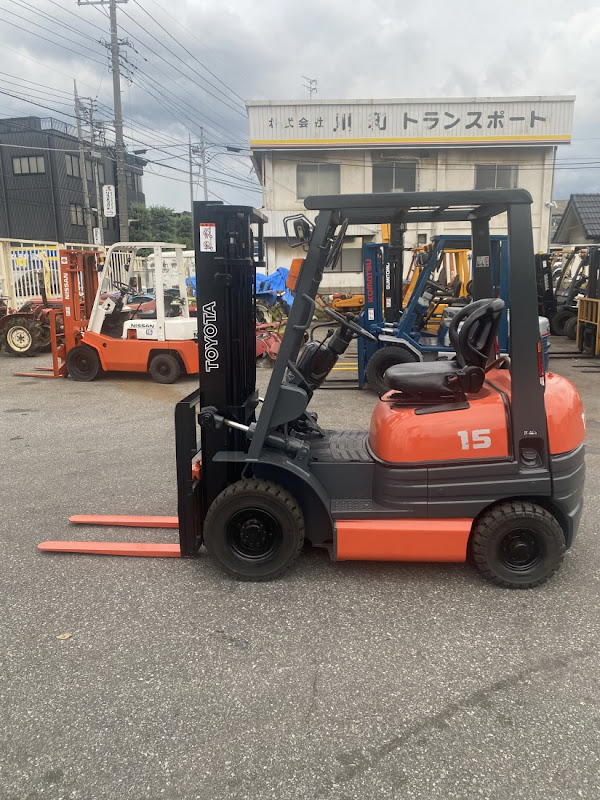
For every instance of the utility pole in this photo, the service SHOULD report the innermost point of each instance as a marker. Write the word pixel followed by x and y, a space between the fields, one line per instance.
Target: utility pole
pixel 87 211
pixel 191 174
pixel 99 214
pixel 119 142
pixel 203 159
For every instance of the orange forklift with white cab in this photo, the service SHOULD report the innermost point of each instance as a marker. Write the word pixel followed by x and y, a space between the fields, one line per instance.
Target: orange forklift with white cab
pixel 118 332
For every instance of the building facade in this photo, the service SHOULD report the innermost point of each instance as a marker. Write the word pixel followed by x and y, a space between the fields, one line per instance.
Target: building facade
pixel 41 186
pixel 357 146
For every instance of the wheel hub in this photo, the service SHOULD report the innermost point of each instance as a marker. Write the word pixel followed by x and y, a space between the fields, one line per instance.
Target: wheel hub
pixel 253 534
pixel 19 338
pixel 521 549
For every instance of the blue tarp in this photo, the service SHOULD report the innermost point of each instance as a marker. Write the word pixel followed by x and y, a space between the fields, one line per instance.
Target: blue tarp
pixel 270 285
pixel 266 285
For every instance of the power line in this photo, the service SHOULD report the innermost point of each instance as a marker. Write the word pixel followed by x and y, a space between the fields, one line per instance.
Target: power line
pixel 46 39
pixel 162 27
pixel 222 99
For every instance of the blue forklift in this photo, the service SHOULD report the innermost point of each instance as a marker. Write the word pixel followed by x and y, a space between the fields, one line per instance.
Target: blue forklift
pixel 400 331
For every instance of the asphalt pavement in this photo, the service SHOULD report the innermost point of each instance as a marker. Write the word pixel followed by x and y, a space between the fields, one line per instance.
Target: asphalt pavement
pixel 338 681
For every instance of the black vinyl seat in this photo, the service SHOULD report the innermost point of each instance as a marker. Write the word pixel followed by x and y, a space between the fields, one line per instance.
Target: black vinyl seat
pixel 452 380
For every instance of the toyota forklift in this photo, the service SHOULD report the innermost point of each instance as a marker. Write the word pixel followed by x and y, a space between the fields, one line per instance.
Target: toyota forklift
pixel 478 456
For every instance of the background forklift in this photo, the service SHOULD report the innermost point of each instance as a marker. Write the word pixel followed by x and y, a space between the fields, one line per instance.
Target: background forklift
pixel 96 330
pixel 472 455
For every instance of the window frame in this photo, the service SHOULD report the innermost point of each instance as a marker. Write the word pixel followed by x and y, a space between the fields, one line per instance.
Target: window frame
pixel 514 172
pixel 318 166
pixel 76 213
pixel 35 159
pixel 394 164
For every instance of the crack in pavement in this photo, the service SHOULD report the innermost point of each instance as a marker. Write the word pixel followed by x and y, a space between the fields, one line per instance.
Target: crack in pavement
pixel 358 761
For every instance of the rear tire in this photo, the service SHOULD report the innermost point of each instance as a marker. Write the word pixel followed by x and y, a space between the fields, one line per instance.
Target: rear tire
pixel 518 545
pixel 254 530
pixel 45 338
pixel 164 368
pixel 21 337
pixel 558 322
pixel 83 363
pixel 381 360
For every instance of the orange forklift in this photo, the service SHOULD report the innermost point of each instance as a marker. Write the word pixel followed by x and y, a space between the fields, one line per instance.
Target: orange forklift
pixel 476 456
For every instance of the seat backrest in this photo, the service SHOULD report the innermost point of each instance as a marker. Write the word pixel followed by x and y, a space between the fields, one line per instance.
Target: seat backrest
pixel 478 323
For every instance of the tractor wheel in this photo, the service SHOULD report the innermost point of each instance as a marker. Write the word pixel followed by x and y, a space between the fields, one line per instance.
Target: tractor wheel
pixel 83 363
pixel 20 337
pixel 45 338
pixel 264 315
pixel 518 545
pixel 558 322
pixel 254 530
pixel 570 328
pixel 164 368
pixel 381 360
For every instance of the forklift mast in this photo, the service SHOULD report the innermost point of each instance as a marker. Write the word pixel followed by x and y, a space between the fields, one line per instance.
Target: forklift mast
pixel 225 285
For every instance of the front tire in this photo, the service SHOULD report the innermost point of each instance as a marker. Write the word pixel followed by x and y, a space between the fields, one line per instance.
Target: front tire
pixel 164 368
pixel 518 545
pixel 381 360
pixel 20 337
pixel 254 530
pixel 83 363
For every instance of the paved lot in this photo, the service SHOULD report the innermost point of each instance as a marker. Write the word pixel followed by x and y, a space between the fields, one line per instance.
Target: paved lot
pixel 339 681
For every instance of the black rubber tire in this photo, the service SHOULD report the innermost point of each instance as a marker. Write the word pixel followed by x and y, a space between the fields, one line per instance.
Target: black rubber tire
pixel 83 363
pixel 381 360
pixel 45 338
pixel 165 368
pixel 20 337
pixel 264 314
pixel 517 544
pixel 278 517
pixel 558 321
pixel 570 328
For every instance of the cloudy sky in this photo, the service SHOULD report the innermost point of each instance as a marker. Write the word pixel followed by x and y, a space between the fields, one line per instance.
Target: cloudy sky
pixel 191 63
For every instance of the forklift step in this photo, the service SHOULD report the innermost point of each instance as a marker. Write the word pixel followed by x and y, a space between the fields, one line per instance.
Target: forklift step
pixel 117 520
pixel 114 548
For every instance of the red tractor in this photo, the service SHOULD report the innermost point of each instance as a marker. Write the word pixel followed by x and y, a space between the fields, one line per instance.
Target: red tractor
pixel 26 331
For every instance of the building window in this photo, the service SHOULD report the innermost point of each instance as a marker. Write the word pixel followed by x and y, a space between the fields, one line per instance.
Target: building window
pixel 29 165
pixel 496 176
pixel 317 179
pixel 130 179
pixel 421 239
pixel 350 260
pixel 72 163
pixel 89 172
pixel 399 176
pixel 77 217
pixel 138 183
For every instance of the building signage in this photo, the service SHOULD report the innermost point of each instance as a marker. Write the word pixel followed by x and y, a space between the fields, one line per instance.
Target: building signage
pixel 97 236
pixel 410 123
pixel 109 202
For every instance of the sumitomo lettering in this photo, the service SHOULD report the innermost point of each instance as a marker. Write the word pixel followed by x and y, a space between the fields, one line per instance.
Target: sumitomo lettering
pixel 210 334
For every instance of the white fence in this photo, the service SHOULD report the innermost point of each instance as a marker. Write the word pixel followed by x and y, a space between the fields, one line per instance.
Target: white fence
pixel 23 264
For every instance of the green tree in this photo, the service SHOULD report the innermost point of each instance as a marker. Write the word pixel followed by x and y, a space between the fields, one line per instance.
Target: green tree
pixel 140 228
pixel 162 222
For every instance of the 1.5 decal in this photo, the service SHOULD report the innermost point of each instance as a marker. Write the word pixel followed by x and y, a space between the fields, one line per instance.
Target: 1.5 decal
pixel 476 440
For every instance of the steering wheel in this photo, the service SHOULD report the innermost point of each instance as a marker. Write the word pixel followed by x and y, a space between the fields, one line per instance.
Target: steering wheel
pixel 437 286
pixel 124 288
pixel 350 324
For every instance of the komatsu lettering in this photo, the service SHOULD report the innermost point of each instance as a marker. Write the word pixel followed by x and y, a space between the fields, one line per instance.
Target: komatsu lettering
pixel 210 333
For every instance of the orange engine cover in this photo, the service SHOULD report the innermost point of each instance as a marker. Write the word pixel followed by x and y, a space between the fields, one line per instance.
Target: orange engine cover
pixel 399 435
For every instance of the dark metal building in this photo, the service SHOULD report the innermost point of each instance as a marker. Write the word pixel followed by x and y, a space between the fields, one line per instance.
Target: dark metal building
pixel 41 188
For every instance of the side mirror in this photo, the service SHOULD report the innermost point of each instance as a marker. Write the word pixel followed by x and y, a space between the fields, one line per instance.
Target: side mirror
pixel 301 230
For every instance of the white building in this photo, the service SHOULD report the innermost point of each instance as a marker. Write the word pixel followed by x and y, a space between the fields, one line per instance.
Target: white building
pixel 356 146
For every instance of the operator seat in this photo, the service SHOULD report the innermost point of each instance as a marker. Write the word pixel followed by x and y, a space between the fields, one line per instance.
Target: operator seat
pixel 451 380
